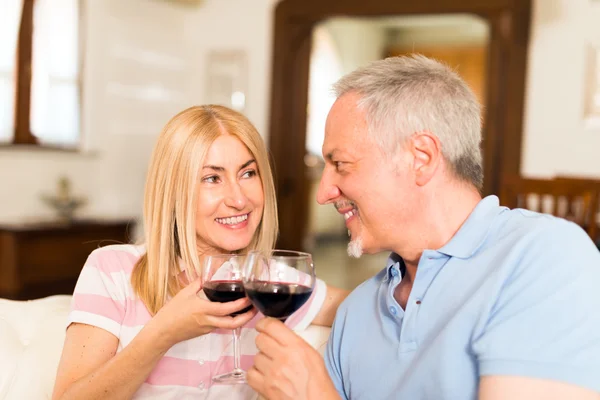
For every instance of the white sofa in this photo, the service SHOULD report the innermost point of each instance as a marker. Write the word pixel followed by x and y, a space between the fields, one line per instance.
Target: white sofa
pixel 31 339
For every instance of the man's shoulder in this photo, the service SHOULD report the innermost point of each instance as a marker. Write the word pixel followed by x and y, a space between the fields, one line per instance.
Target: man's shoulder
pixel 526 239
pixel 524 226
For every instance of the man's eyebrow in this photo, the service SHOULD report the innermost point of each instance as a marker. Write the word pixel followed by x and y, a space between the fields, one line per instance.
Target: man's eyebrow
pixel 330 155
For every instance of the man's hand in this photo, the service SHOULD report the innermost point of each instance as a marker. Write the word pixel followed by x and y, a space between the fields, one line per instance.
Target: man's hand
pixel 287 367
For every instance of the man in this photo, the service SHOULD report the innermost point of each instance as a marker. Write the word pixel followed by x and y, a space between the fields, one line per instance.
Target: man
pixel 476 301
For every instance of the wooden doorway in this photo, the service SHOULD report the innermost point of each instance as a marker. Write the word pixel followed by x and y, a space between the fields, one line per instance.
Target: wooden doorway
pixel 504 89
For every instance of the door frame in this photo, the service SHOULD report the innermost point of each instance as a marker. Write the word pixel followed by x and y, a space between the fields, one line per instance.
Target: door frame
pixel 509 22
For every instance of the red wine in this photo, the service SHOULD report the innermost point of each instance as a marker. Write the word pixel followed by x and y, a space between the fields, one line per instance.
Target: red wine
pixel 225 291
pixel 277 300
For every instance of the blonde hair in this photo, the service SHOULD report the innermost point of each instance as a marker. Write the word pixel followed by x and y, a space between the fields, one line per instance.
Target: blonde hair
pixel 170 198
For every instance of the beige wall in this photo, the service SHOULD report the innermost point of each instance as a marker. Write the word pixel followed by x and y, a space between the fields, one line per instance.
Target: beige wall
pixel 119 124
pixel 556 140
pixel 111 170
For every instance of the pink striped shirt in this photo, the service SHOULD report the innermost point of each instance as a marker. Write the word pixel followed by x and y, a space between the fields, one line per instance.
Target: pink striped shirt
pixel 104 298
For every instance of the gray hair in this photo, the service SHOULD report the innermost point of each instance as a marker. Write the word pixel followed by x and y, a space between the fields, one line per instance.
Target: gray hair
pixel 410 94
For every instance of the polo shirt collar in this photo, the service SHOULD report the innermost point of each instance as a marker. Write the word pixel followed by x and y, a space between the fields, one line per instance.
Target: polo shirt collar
pixel 468 239
pixel 474 230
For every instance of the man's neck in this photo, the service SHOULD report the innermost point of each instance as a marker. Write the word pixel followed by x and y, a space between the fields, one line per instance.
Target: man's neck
pixel 439 217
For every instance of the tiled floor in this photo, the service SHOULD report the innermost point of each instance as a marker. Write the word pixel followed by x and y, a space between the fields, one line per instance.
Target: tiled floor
pixel 335 267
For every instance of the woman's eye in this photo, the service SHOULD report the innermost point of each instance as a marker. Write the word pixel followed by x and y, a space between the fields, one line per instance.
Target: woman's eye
pixel 249 174
pixel 211 179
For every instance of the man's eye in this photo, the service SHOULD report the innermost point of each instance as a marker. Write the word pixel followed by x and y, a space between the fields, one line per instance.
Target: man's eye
pixel 338 164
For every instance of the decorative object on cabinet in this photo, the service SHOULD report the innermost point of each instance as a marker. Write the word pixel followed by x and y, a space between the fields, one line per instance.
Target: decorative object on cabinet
pixel 63 201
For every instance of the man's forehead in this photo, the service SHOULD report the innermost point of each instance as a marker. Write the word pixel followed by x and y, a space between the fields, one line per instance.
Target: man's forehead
pixel 344 139
pixel 334 148
pixel 346 126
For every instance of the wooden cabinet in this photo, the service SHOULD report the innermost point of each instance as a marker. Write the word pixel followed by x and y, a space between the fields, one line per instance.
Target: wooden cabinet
pixel 42 259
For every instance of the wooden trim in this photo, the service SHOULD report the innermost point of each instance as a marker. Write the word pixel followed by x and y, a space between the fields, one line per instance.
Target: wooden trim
pixel 39 147
pixel 23 74
pixel 294 21
pixel 10 283
pixel 23 135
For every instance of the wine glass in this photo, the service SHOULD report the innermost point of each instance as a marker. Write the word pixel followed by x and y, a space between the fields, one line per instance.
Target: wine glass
pixel 278 282
pixel 222 282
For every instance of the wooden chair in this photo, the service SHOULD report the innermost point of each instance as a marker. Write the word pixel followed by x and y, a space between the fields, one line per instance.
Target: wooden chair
pixel 586 184
pixel 572 200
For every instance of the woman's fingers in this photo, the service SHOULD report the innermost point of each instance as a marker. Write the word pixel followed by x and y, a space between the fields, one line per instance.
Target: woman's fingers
pixel 231 322
pixel 223 309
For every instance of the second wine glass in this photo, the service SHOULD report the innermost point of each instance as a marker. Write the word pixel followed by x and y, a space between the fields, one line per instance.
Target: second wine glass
pixel 222 282
pixel 278 282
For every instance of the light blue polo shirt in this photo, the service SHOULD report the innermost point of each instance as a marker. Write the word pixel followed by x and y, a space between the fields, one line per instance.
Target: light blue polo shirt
pixel 513 293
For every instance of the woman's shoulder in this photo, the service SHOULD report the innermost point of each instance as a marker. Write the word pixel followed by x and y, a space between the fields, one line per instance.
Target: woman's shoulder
pixel 117 257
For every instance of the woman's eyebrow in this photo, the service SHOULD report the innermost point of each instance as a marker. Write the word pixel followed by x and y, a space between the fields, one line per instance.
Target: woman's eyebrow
pixel 221 169
pixel 214 167
pixel 247 163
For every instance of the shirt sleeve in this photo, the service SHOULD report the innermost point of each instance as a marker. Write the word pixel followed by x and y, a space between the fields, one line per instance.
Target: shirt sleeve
pixel 302 318
pixel 98 299
pixel 545 322
pixel 332 353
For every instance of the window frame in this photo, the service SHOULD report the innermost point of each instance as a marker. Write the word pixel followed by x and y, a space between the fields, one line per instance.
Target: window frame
pixel 22 135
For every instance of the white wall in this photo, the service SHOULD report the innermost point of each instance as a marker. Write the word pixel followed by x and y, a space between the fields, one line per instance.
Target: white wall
pixel 556 141
pixel 120 123
pixel 358 41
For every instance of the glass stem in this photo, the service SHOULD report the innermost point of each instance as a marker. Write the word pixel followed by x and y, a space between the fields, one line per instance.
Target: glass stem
pixel 236 351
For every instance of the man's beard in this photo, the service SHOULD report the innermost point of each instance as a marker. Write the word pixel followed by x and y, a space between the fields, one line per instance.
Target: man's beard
pixel 355 248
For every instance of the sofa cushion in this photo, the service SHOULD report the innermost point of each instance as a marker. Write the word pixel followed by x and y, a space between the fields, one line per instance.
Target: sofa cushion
pixel 31 339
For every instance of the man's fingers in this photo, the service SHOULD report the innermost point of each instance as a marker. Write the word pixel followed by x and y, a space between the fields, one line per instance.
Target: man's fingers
pixel 262 363
pixel 256 380
pixel 277 330
pixel 267 345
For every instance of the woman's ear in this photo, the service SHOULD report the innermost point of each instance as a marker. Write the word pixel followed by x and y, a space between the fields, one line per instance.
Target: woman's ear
pixel 427 154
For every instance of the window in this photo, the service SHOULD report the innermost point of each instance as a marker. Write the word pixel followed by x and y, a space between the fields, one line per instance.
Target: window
pixel 325 70
pixel 39 72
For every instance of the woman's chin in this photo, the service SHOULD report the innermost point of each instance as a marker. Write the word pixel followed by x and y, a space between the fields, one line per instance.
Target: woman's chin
pixel 235 246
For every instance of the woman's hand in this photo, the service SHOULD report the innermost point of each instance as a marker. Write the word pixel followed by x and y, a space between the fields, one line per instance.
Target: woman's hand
pixel 187 315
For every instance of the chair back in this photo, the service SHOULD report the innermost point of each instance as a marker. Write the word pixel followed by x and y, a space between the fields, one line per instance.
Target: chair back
pixel 574 200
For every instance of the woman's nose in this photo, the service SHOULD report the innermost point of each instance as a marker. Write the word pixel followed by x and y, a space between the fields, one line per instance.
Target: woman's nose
pixel 235 197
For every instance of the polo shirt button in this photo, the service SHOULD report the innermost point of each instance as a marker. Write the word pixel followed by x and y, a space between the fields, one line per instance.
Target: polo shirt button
pixel 393 310
pixel 201 386
pixel 201 362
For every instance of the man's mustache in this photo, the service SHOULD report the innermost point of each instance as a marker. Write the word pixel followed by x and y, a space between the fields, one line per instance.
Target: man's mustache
pixel 344 204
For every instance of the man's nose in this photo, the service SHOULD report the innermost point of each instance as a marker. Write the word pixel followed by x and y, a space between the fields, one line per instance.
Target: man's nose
pixel 328 191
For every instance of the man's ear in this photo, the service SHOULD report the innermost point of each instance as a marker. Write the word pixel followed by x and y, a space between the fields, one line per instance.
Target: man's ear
pixel 426 150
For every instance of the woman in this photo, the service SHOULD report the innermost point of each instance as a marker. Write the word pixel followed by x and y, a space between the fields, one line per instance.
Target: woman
pixel 138 327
